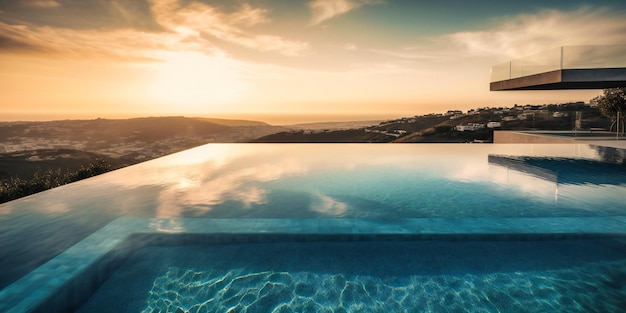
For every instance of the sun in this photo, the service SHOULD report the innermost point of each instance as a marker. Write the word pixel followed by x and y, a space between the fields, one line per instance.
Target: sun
pixel 192 82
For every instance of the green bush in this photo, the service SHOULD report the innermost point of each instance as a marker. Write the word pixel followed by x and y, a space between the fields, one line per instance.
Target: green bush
pixel 17 187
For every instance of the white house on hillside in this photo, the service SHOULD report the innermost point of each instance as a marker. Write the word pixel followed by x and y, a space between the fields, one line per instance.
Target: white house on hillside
pixel 494 125
pixel 469 127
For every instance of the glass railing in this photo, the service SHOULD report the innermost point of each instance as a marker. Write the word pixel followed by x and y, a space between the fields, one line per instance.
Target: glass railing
pixel 566 57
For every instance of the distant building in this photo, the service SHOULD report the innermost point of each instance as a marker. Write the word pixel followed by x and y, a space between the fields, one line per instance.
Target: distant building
pixel 453 112
pixel 494 125
pixel 469 127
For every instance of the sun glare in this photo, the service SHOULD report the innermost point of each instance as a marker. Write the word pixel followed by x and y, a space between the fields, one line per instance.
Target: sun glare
pixel 193 82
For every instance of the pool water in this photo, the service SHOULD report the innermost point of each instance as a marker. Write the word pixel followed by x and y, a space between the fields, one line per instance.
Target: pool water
pixel 574 275
pixel 568 195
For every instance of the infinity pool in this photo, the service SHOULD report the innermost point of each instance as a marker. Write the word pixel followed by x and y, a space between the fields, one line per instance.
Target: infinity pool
pixel 327 228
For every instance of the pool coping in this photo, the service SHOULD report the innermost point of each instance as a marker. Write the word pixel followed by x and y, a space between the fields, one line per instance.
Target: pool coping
pixel 552 137
pixel 55 285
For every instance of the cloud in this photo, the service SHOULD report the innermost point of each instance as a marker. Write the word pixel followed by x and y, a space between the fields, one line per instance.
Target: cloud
pixel 216 183
pixel 322 10
pixel 121 44
pixel 527 34
pixel 272 43
pixel 11 44
pixel 328 206
pixel 249 16
pixel 512 38
pixel 203 21
pixel 196 26
pixel 41 3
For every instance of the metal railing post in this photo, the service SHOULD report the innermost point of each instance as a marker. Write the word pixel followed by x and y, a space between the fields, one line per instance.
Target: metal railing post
pixel 616 126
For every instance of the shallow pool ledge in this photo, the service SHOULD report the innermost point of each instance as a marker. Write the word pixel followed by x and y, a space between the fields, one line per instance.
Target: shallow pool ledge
pixel 71 277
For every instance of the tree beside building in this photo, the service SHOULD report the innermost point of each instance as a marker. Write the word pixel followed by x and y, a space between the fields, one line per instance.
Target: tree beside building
pixel 612 104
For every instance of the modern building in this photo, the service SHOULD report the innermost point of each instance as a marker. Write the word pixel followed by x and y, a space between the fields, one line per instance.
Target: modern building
pixel 567 67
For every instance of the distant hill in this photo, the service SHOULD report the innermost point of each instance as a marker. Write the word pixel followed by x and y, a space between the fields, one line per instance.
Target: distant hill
pixel 27 147
pixel 229 122
pixel 25 164
pixel 114 136
pixel 332 125
pixel 441 127
pixel 350 135
pixel 374 133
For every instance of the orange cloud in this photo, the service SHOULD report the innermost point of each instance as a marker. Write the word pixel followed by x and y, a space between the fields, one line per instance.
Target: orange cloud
pixel 196 27
pixel 200 21
pixel 124 44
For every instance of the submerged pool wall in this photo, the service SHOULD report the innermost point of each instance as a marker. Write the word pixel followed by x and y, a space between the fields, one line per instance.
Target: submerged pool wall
pixel 65 282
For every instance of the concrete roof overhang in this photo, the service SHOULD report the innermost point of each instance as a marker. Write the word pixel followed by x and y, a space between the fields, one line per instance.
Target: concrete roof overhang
pixel 588 78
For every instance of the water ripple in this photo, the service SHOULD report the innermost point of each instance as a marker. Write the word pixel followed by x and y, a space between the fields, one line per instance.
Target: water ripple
pixel 595 287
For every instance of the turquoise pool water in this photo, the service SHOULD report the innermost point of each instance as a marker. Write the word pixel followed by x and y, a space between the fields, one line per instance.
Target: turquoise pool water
pixel 371 276
pixel 542 195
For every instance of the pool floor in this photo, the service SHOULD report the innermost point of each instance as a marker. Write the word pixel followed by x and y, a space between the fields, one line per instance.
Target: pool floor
pixel 560 275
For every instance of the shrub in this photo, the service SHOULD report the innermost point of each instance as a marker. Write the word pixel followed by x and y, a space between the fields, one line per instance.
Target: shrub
pixel 17 187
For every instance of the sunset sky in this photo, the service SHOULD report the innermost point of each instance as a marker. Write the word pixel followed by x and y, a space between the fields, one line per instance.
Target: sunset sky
pixel 124 58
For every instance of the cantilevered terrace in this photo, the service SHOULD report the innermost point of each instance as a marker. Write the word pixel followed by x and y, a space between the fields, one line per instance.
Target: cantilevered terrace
pixel 567 67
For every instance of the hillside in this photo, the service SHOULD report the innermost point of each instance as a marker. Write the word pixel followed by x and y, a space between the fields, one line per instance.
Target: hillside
pixel 350 135
pixel 25 163
pixel 383 132
pixel 138 138
pixel 229 122
pixel 444 127
pixel 28 147
pixel 332 125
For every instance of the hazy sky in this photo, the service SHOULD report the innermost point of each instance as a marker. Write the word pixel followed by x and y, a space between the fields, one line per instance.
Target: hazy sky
pixel 93 58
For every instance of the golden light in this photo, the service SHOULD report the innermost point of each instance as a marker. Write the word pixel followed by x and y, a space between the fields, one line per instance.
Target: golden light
pixel 192 82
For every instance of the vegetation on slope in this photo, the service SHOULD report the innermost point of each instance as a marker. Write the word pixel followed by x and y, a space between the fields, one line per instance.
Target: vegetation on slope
pixel 17 187
pixel 441 127
pixel 345 136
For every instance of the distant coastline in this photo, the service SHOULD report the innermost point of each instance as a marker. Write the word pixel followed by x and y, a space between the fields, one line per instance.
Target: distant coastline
pixel 269 118
pixel 291 119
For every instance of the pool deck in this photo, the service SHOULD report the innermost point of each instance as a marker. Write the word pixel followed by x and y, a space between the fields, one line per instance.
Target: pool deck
pixel 71 277
pixel 557 137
